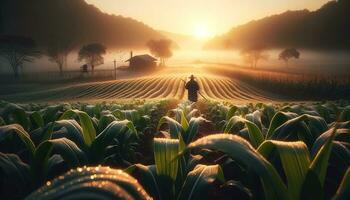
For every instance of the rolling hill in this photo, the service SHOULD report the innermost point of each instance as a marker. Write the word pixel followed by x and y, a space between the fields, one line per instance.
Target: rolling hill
pixel 72 21
pixel 327 28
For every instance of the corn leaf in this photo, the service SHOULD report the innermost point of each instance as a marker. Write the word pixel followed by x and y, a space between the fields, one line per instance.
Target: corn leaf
pixel 295 160
pixel 37 119
pixel 91 182
pixel 16 129
pixel 231 112
pixel 71 130
pixel 105 138
pixel 343 191
pixel 193 128
pixel 198 181
pixel 319 164
pixel 165 152
pixel 104 121
pixel 89 132
pixel 13 113
pixel 277 120
pixel 149 179
pixel 294 129
pixel 15 177
pixel 241 151
pixel 255 135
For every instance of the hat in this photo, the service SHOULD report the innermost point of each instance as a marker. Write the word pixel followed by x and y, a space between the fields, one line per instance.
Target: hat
pixel 191 77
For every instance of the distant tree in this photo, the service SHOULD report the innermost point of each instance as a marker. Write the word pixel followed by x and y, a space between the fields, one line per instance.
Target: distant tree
pixel 253 55
pixel 92 54
pixel 17 50
pixel 287 54
pixel 161 48
pixel 58 52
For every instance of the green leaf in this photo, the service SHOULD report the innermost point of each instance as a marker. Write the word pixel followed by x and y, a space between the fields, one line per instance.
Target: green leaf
pixel 231 112
pixel 149 179
pixel 241 151
pixel 132 115
pixel 69 151
pixel 175 127
pixel 89 131
pixel 294 129
pixel 345 114
pixel 198 181
pixel 92 182
pixel 105 138
pixel 37 119
pixel 2 122
pixel 193 128
pixel 278 119
pixel 311 188
pixel 255 135
pixel 343 191
pixel 16 129
pixel 15 177
pixel 104 121
pixel 165 153
pixel 319 164
pixel 71 130
pixel 50 113
pixel 180 117
pixel 295 160
pixel 13 113
pixel 255 118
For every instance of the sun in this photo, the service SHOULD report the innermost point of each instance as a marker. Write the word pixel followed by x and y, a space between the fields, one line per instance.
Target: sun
pixel 201 31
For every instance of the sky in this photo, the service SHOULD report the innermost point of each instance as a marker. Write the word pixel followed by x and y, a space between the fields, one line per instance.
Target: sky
pixel 201 18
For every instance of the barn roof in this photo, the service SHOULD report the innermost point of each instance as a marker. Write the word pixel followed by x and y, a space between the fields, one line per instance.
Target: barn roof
pixel 144 57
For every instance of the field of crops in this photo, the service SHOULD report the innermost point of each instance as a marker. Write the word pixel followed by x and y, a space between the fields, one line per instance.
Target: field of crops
pixel 167 84
pixel 175 150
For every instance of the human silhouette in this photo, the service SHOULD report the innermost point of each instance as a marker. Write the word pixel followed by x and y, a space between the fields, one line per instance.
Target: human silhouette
pixel 193 88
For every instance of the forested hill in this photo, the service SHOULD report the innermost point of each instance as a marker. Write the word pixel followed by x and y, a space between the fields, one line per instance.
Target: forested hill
pixel 325 28
pixel 74 21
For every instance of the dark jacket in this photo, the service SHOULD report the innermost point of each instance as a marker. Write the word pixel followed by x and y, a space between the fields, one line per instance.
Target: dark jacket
pixel 192 87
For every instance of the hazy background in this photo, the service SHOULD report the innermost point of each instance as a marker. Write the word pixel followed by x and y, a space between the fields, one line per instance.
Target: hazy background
pixel 321 33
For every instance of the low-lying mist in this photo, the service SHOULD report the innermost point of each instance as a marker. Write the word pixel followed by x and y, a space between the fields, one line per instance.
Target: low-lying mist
pixel 309 61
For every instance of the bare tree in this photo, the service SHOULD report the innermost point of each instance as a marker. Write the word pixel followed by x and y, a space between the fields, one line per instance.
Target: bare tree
pixel 17 50
pixel 58 52
pixel 287 54
pixel 253 55
pixel 161 48
pixel 92 54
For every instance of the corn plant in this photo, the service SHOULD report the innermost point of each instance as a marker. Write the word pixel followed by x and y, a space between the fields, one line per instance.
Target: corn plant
pixel 92 182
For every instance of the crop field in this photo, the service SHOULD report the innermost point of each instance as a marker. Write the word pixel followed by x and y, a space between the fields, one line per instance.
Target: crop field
pixel 168 84
pixel 172 149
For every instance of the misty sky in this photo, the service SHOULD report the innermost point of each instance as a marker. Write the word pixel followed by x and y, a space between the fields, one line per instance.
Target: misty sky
pixel 200 17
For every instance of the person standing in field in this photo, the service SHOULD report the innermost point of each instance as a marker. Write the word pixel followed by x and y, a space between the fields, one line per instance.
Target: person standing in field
pixel 192 87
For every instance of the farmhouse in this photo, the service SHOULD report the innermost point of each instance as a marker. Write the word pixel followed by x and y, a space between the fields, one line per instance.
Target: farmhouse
pixel 142 63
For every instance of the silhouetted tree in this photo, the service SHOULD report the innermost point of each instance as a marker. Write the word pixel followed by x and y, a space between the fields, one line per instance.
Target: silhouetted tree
pixel 287 54
pixel 161 49
pixel 253 54
pixel 92 54
pixel 58 52
pixel 17 50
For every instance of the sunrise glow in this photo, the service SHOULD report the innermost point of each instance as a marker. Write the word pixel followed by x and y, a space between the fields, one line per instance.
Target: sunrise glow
pixel 202 31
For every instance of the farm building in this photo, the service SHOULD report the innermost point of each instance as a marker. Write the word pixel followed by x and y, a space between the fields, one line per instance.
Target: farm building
pixel 142 63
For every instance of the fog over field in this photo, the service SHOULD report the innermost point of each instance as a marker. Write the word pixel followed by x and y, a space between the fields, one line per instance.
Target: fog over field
pixel 310 61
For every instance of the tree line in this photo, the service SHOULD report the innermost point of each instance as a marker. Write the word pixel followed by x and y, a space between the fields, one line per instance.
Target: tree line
pixel 254 54
pixel 18 50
